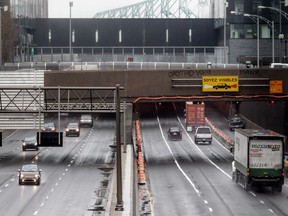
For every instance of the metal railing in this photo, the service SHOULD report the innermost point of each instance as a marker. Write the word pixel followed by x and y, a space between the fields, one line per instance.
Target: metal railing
pixel 69 66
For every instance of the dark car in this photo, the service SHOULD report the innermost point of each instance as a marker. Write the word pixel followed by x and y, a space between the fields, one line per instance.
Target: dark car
pixel 236 122
pixel 48 127
pixel 221 85
pixel 73 129
pixel 29 173
pixel 86 120
pixel 174 133
pixel 30 143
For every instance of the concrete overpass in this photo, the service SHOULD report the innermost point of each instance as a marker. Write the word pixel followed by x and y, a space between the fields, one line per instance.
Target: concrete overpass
pixel 175 85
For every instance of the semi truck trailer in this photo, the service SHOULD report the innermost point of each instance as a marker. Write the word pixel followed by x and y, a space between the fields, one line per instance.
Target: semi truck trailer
pixel 195 115
pixel 258 158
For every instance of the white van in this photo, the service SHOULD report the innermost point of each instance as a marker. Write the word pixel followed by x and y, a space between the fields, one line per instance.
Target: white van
pixel 278 65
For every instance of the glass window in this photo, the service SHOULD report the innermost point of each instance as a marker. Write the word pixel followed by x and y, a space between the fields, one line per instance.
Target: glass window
pixel 265 31
pixel 239 6
pixel 236 31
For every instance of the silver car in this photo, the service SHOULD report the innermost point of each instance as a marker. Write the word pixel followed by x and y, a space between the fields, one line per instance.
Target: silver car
pixel 86 120
pixel 29 173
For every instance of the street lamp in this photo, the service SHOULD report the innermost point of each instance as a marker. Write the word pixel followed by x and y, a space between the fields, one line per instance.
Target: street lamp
pixel 224 29
pixel 5 9
pixel 283 13
pixel 270 23
pixel 70 34
pixel 258 37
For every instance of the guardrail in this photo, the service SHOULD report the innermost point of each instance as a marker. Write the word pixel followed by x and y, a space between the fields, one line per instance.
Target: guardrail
pixel 67 66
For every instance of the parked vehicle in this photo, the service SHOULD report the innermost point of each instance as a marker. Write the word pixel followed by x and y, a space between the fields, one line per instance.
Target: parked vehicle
pixel 279 65
pixel 86 120
pixel 236 122
pixel 195 115
pixel 258 158
pixel 30 143
pixel 174 133
pixel 203 134
pixel 73 129
pixel 29 173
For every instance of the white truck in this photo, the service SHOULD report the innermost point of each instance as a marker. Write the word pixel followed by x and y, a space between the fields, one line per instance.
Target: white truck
pixel 203 134
pixel 258 158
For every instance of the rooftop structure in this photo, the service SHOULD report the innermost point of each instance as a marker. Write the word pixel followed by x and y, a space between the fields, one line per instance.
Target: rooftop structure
pixel 159 9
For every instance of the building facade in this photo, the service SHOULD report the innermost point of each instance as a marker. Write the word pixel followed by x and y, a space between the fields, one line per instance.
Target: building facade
pixel 29 8
pixel 243 33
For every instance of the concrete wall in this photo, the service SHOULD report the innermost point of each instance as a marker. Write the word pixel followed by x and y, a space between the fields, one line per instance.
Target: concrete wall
pixel 155 83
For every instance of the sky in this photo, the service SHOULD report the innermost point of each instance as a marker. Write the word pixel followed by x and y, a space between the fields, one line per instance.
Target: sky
pixel 84 8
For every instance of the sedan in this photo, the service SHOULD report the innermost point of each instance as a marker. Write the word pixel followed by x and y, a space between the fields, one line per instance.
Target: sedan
pixel 48 127
pixel 73 129
pixel 29 173
pixel 174 133
pixel 30 143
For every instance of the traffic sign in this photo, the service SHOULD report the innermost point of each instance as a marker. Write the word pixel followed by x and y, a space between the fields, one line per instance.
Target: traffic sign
pixel 276 86
pixel 220 83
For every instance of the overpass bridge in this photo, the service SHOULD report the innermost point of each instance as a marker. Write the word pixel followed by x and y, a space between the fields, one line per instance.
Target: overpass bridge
pixel 178 84
pixel 94 91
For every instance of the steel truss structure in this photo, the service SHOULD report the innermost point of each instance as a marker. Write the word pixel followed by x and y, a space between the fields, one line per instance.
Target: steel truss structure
pixel 59 99
pixel 157 9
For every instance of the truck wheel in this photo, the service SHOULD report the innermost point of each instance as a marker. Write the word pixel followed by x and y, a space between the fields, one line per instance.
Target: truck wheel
pixel 236 176
pixel 277 188
pixel 246 184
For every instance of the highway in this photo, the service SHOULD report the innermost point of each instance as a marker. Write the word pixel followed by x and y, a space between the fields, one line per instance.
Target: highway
pixel 187 179
pixel 182 178
pixel 72 175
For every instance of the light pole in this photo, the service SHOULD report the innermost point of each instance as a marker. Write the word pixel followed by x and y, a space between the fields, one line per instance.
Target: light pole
pixel 270 23
pixel 70 34
pixel 224 29
pixel 282 13
pixel 5 9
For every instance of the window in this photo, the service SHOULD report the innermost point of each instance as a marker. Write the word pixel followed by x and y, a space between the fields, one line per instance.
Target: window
pixel 120 36
pixel 239 6
pixel 96 36
pixel 167 35
pixel 190 35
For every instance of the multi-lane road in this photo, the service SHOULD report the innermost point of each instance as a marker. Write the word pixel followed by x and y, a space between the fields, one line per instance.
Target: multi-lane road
pixel 74 176
pixel 188 179
pixel 182 178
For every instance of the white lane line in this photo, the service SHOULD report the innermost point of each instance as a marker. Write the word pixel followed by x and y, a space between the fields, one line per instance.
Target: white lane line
pixel 176 162
pixel 203 152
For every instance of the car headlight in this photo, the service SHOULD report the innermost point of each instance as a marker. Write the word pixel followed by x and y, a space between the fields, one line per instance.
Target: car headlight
pixel 23 143
pixel 35 144
pixel 37 175
pixel 21 175
pixel 67 129
pixel 77 129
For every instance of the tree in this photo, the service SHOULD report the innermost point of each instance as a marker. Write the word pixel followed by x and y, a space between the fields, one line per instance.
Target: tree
pixel 9 33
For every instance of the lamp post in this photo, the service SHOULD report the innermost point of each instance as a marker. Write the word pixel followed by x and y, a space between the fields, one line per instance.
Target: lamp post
pixel 224 29
pixel 5 9
pixel 282 13
pixel 70 34
pixel 271 25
